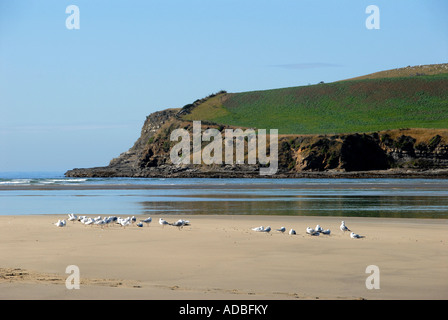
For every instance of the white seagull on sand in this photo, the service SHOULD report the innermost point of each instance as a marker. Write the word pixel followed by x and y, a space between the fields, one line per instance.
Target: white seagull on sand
pixel 343 227
pixel 89 221
pixel 292 231
pixel 355 236
pixel 72 217
pixel 180 223
pixel 183 222
pixel 282 229
pixel 262 229
pixel 326 231
pixel 318 228
pixel 163 222
pixel 311 231
pixel 125 222
pixel 60 223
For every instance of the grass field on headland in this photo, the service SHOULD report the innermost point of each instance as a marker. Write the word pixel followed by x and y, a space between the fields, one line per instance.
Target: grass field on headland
pixel 364 105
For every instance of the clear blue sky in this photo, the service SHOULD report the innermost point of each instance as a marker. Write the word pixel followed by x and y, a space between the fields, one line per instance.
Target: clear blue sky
pixel 78 98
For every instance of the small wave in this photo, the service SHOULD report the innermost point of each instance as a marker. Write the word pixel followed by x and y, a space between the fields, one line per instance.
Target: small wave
pixel 16 181
pixel 45 181
pixel 61 181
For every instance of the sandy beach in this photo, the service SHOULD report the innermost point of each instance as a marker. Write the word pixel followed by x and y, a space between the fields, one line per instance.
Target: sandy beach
pixel 220 257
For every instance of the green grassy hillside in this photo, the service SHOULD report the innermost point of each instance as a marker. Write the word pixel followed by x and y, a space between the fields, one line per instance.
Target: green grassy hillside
pixel 364 105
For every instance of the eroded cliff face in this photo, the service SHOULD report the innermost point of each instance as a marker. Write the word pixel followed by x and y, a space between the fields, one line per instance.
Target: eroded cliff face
pixel 405 149
pixel 139 152
pixel 356 152
pixel 366 152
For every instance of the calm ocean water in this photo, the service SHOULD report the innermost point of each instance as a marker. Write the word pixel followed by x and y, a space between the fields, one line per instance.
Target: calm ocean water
pixel 403 198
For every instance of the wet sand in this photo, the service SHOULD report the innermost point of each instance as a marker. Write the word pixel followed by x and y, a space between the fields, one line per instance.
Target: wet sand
pixel 220 257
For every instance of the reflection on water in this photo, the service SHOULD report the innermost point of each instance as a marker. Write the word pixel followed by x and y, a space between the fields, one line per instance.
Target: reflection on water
pixel 370 206
pixel 417 198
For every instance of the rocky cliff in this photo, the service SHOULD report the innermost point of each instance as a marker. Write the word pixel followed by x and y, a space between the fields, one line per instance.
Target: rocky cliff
pixel 401 152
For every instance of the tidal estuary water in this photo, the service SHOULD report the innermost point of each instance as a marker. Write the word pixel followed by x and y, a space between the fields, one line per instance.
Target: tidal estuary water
pixel 52 193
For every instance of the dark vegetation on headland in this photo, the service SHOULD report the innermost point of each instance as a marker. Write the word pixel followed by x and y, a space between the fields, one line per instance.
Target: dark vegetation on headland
pixel 390 126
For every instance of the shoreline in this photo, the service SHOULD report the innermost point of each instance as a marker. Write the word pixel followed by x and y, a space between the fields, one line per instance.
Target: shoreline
pixel 261 186
pixel 109 172
pixel 221 258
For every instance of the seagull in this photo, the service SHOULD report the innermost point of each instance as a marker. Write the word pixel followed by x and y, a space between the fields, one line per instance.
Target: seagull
pixel 108 220
pixel 292 231
pixel 118 220
pixel 133 219
pixel 258 229
pixel 89 221
pixel 318 228
pixel 268 229
pixel 355 236
pixel 183 222
pixel 282 229
pixel 176 224
pixel 311 231
pixel 326 231
pixel 163 222
pixel 60 223
pixel 140 224
pixel 343 227
pixel 72 217
pixel 125 222
pixel 179 223
pixel 147 220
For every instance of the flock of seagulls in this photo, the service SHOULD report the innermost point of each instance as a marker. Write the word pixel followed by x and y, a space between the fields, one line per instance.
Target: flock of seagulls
pixel 317 231
pixel 179 223
pixel 268 229
pixel 311 231
pixel 262 229
pixel 124 222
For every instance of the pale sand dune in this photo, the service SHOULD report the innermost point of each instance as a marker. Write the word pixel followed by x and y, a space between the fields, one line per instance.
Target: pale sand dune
pixel 220 257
